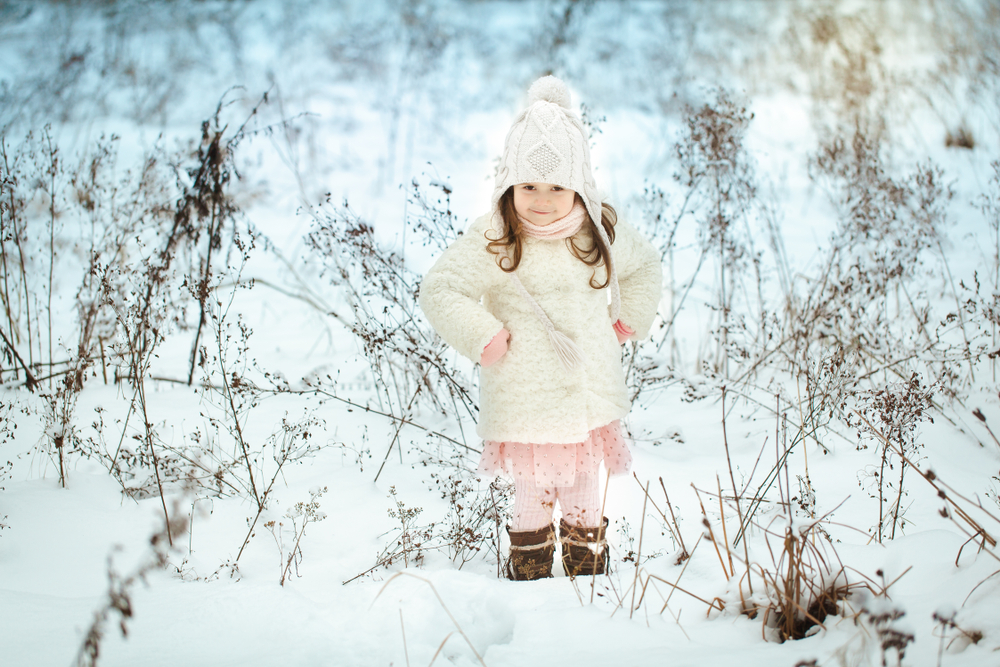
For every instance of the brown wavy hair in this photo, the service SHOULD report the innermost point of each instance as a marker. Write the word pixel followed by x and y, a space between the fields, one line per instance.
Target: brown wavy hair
pixel 508 248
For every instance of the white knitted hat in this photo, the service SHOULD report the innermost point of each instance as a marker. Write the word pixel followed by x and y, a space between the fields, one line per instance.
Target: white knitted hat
pixel 549 144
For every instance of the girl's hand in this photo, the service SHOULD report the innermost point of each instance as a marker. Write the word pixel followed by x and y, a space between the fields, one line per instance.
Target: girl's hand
pixel 495 349
pixel 622 332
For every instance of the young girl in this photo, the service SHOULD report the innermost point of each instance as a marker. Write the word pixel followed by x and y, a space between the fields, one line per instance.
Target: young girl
pixel 525 292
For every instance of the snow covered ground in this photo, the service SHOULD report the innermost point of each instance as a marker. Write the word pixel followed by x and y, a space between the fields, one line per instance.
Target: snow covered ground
pixel 364 99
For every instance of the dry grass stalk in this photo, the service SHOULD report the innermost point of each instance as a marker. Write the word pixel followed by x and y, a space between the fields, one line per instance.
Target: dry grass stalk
pixel 716 604
pixel 638 556
pixel 978 414
pixel 402 629
pixel 458 627
pixel 952 509
pixel 736 493
pixel 711 535
pixel 671 523
pixel 803 587
pixel 725 536
pixel 119 598
pixel 604 502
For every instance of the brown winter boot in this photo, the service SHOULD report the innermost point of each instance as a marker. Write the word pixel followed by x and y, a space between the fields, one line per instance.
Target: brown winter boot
pixel 584 550
pixel 531 553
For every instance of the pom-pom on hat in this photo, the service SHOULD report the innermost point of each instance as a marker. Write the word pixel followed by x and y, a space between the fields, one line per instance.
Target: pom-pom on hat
pixel 549 89
pixel 549 144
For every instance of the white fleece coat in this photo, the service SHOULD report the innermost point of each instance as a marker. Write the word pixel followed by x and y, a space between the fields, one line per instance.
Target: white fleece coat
pixel 528 396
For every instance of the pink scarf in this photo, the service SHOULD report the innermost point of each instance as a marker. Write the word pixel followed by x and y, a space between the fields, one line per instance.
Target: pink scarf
pixel 562 228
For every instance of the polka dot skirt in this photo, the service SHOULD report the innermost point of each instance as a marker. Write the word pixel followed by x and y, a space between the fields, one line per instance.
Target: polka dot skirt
pixel 557 464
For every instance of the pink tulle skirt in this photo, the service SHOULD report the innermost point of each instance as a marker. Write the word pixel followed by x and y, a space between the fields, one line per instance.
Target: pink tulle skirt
pixel 557 464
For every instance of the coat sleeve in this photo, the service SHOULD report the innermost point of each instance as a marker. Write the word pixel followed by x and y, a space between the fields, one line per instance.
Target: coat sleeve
pixel 450 293
pixel 640 279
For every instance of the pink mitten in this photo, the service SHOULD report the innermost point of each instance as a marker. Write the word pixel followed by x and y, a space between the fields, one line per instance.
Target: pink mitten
pixel 622 332
pixel 495 349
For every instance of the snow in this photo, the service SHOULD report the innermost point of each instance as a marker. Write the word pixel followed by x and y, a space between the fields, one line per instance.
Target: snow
pixel 365 99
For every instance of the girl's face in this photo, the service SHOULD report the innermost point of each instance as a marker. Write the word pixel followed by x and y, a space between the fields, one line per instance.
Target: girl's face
pixel 542 203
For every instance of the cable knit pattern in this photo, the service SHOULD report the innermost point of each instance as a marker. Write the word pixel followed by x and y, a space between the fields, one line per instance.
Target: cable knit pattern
pixel 527 395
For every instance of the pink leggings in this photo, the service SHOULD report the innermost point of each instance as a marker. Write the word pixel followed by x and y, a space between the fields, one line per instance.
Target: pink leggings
pixel 533 505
